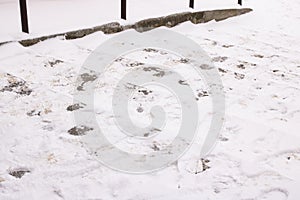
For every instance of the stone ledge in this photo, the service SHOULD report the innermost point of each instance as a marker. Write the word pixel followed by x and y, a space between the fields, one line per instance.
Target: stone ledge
pixel 145 25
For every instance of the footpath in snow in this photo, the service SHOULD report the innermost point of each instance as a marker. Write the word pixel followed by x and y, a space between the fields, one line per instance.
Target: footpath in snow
pixel 258 152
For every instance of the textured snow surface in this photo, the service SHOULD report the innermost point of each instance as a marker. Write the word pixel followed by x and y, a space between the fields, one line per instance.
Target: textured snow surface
pixel 258 152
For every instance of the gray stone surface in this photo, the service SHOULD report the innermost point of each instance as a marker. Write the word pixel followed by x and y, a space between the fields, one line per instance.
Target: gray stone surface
pixel 147 24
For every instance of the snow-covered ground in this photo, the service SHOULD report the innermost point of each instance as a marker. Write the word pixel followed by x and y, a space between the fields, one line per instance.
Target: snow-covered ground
pixel 56 16
pixel 258 153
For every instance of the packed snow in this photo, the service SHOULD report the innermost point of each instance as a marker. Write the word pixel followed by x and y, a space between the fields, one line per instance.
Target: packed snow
pixel 258 152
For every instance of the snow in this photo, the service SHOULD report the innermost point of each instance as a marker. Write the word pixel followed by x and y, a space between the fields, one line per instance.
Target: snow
pixel 56 16
pixel 257 156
